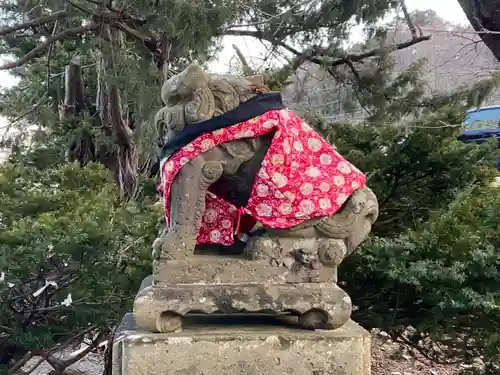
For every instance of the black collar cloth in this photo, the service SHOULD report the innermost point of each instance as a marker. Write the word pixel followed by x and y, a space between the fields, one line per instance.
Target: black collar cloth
pixel 254 107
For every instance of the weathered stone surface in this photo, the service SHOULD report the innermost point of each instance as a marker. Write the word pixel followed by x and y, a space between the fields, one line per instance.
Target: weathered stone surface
pixel 154 306
pixel 214 269
pixel 245 350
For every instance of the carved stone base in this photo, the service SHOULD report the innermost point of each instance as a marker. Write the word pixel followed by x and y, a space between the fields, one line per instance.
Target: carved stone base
pixel 216 269
pixel 249 350
pixel 317 305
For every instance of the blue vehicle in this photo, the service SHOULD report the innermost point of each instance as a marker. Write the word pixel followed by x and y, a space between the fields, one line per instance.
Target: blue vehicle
pixel 482 124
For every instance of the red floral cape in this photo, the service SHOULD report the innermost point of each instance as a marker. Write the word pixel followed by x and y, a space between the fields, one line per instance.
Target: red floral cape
pixel 301 177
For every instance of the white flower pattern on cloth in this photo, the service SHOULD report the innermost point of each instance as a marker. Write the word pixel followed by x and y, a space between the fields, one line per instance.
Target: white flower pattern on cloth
pixel 277 159
pixel 169 166
pixel 215 236
pixel 324 203
pixel 264 210
pixel 207 144
pixel 313 172
pixel 297 145
pixel 285 208
pixel 325 159
pixel 324 187
pixel 279 179
pixel 314 144
pixel 210 215
pixel 301 177
pixel 262 190
pixel 306 188
pixel 306 206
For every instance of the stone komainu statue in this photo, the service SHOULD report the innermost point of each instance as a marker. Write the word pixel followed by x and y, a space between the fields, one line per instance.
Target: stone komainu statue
pixel 242 173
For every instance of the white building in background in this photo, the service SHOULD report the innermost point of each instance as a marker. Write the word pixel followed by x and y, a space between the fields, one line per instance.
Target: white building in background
pixel 455 56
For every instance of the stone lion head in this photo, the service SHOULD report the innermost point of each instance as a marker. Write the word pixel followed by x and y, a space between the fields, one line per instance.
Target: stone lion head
pixel 194 95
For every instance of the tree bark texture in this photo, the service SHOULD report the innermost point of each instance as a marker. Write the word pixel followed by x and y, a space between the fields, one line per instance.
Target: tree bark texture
pixel 119 154
pixel 484 16
pixel 122 159
pixel 80 149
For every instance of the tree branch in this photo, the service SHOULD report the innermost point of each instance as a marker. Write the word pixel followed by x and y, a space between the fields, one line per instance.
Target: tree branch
pixel 148 41
pixel 359 57
pixel 49 56
pixel 94 344
pixel 35 22
pixel 19 364
pixel 357 88
pixel 247 70
pixel 410 24
pixel 83 9
pixel 38 51
pixel 270 18
pixel 326 60
pixel 33 108
pixel 261 36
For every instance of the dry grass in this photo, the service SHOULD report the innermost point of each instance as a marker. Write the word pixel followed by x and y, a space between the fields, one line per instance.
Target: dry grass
pixel 390 358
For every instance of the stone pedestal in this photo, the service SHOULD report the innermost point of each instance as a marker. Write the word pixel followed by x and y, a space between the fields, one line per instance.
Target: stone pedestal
pixel 240 348
pixel 154 306
pixel 235 284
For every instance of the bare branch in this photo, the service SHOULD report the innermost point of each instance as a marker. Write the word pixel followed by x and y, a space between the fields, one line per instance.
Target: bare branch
pixel 49 56
pixel 19 364
pixel 95 342
pixel 274 17
pixel 114 13
pixel 33 108
pixel 148 41
pixel 35 22
pixel 247 70
pixel 83 9
pixel 462 32
pixel 38 51
pixel 261 36
pixel 412 28
pixel 315 54
pixel 357 88
pixel 51 360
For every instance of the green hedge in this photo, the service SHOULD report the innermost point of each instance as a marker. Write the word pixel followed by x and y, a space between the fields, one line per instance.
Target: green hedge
pixel 67 228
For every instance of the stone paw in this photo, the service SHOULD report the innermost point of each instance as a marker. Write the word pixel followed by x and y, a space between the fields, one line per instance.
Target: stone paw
pixel 168 321
pixel 315 319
